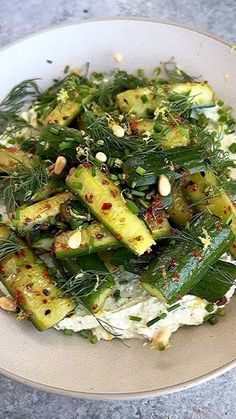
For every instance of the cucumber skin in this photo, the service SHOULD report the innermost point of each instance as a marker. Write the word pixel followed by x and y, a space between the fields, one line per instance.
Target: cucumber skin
pixel 25 278
pixel 214 285
pixel 63 251
pixel 168 285
pixel 103 190
pixel 189 158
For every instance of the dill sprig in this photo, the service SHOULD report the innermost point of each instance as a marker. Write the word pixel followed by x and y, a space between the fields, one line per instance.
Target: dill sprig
pixel 175 74
pixel 8 246
pixel 21 95
pixel 24 182
pixel 84 283
pixel 98 129
pixel 120 81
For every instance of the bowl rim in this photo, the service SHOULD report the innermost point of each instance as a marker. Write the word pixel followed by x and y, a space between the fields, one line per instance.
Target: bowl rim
pixel 131 395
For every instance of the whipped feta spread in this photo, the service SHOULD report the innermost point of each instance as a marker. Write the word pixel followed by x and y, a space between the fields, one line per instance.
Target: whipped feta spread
pixel 136 302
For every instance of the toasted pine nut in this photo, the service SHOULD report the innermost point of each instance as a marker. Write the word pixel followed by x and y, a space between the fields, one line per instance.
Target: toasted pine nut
pixel 7 304
pixel 75 240
pixel 72 171
pixel 164 186
pixel 60 165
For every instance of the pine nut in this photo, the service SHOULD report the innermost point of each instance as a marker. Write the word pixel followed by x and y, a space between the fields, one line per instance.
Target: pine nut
pixel 7 304
pixel 75 240
pixel 101 157
pixel 60 165
pixel 164 186
pixel 118 131
pixel 72 171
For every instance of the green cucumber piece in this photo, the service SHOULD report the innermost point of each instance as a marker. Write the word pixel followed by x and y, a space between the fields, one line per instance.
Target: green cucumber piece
pixel 10 157
pixel 27 280
pixel 141 101
pixel 122 257
pixel 105 201
pixel 181 266
pixel 216 282
pixel 39 213
pixel 95 300
pixel 206 195
pixel 173 163
pixel 156 219
pixel 180 211
pixel 94 238
pixel 201 94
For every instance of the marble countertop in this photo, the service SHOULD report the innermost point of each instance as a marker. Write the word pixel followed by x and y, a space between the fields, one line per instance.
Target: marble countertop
pixel 212 400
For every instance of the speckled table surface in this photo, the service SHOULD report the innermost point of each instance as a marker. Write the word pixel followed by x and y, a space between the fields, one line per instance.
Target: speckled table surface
pixel 215 399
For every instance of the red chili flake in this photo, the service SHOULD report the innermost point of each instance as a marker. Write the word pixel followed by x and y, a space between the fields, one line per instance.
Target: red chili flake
pixel 21 253
pixel 45 301
pixel 234 245
pixel 46 275
pixel 99 236
pixel 178 297
pixel 114 193
pixel 105 182
pixel 160 221
pixel 37 293
pixel 174 262
pixel 28 266
pixel 53 248
pixel 219 227
pixel 222 302
pixel 106 206
pixel 64 246
pixel 134 125
pixel 175 277
pixel 20 298
pixel 27 219
pixel 48 206
pixel 119 237
pixel 197 254
pixel 138 238
pixel 2 270
pixel 87 165
pixel 194 187
pixel 173 126
pixel 229 208
pixel 89 198
pixel 225 211
pixel 84 245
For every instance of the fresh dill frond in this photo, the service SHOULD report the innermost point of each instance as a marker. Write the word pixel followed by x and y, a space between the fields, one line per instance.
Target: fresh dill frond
pixel 99 130
pixel 11 124
pixel 8 246
pixel 175 74
pixel 22 94
pixel 24 182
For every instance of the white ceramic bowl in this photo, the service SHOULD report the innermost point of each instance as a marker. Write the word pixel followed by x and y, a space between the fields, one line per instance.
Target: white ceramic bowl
pixel 71 365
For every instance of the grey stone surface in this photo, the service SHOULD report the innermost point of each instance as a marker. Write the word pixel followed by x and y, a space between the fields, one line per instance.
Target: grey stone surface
pixel 213 400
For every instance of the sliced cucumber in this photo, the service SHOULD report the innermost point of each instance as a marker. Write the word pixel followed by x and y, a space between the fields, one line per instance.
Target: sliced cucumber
pixel 39 213
pixel 201 94
pixel 94 238
pixel 105 201
pixel 29 283
pixel 180 267
pixel 140 101
pixel 10 157
pixel 180 210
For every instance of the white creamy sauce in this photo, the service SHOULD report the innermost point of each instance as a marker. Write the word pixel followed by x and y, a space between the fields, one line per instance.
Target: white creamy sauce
pixel 136 302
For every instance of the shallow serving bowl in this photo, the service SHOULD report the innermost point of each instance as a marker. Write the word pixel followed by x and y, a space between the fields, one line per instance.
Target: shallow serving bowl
pixel 71 365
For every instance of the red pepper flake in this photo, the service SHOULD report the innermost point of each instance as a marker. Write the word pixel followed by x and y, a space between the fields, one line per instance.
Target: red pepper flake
pixel 46 275
pixel 160 221
pixel 229 208
pixel 20 298
pixel 175 277
pixel 219 227
pixel 21 253
pixel 64 246
pixel 234 245
pixel 134 125
pixel 197 254
pixel 114 193
pixel 173 126
pixel 48 206
pixel 105 182
pixel 194 187
pixel 53 248
pixel 28 266
pixel 2 270
pixel 138 238
pixel 225 211
pixel 106 206
pixel 84 245
pixel 174 262
pixel 45 301
pixel 28 220
pixel 87 165
pixel 99 236
pixel 37 293
pixel 89 198
pixel 222 302
pixel 178 297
